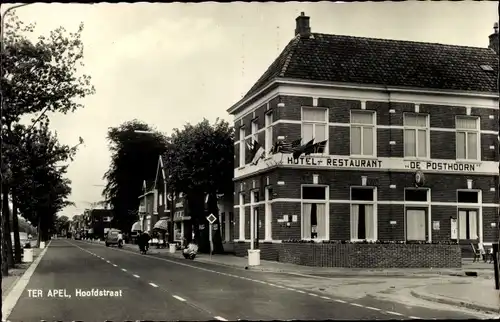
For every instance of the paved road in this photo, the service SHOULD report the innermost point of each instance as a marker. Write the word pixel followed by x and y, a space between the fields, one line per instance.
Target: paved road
pixel 160 288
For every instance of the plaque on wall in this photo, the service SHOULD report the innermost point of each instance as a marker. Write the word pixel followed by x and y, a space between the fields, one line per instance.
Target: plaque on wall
pixel 454 228
pixel 435 225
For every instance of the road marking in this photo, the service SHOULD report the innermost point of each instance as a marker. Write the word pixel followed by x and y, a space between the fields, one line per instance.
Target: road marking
pixel 414 317
pixel 108 262
pixel 123 269
pixel 115 265
pixel 261 282
pixel 136 276
pixel 180 298
pixel 373 308
pixel 394 313
pixel 17 290
pixel 219 318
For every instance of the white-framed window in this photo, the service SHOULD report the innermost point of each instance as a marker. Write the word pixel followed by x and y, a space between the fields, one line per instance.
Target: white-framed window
pixel 416 214
pixel 254 211
pixel 315 218
pixel 269 132
pixel 363 214
pixel 315 125
pixel 268 214
pixel 363 133
pixel 242 217
pixel 255 130
pixel 416 135
pixel 243 147
pixel 468 215
pixel 467 137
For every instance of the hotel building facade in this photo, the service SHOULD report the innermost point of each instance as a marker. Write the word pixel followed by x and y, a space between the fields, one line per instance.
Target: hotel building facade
pixel 412 144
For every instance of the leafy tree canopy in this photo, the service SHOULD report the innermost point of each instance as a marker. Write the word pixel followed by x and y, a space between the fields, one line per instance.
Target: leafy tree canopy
pixel 41 75
pixel 134 159
pixel 200 158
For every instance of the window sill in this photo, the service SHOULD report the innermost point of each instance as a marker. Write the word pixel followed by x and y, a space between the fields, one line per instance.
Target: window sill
pixel 363 240
pixel 241 168
pixel 315 240
pixel 419 159
pixel 468 161
pixel 367 157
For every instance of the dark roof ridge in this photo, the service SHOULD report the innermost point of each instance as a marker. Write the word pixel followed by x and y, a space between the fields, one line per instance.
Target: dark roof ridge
pixel 398 40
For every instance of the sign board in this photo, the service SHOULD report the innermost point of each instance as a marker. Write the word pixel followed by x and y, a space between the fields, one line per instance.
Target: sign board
pixel 454 228
pixel 381 164
pixel 211 218
pixel 435 225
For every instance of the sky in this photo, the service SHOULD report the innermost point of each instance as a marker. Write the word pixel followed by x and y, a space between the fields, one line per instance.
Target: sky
pixel 168 64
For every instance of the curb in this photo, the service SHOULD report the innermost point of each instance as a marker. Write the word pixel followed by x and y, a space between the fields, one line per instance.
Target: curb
pixel 457 303
pixel 340 274
pixel 6 292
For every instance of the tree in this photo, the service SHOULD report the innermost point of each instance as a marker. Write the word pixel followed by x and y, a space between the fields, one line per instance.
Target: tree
pixel 134 159
pixel 37 77
pixel 61 224
pixel 37 155
pixel 200 159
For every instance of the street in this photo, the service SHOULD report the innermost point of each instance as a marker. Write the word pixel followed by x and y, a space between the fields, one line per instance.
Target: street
pixel 151 287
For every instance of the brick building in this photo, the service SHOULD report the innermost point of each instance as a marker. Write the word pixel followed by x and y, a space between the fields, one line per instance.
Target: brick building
pixel 411 153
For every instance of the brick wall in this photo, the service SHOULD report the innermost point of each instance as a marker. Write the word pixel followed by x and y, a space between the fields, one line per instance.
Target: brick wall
pixel 443 189
pixel 360 255
pixel 441 116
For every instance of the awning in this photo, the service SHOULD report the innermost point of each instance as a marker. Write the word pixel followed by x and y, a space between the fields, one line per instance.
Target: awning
pixel 161 224
pixel 136 227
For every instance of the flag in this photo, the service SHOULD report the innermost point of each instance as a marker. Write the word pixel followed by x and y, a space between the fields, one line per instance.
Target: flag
pixel 283 146
pixel 257 153
pixel 316 148
pixel 302 149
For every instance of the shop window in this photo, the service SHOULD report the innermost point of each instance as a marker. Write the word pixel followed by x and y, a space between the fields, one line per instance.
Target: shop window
pixel 314 213
pixel 363 218
pixel 268 214
pixel 468 224
pixel 242 217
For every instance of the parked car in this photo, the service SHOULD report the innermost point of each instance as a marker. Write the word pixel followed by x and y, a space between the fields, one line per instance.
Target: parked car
pixel 78 236
pixel 112 237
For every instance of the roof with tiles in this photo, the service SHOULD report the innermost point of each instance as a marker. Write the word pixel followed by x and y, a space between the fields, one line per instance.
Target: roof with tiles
pixel 391 63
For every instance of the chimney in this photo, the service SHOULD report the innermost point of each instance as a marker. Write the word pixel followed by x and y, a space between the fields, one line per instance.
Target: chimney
pixel 493 38
pixel 302 26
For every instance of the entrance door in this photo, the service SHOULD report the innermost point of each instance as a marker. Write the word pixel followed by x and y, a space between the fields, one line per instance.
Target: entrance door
pixel 416 224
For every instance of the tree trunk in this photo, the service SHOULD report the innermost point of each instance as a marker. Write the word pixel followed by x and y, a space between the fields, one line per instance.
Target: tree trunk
pixel 39 230
pixel 198 215
pixel 6 227
pixel 4 265
pixel 213 208
pixel 15 228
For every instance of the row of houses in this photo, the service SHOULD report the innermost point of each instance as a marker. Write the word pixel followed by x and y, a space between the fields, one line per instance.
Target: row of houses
pixel 94 222
pixel 360 140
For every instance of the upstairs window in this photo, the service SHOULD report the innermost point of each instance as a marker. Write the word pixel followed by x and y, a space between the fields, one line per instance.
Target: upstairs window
pixel 242 147
pixel 314 125
pixel 363 133
pixel 269 132
pixel 467 137
pixel 416 135
pixel 255 130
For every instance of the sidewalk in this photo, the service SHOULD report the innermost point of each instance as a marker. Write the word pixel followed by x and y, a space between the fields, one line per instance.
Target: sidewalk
pixel 482 269
pixel 15 274
pixel 479 295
